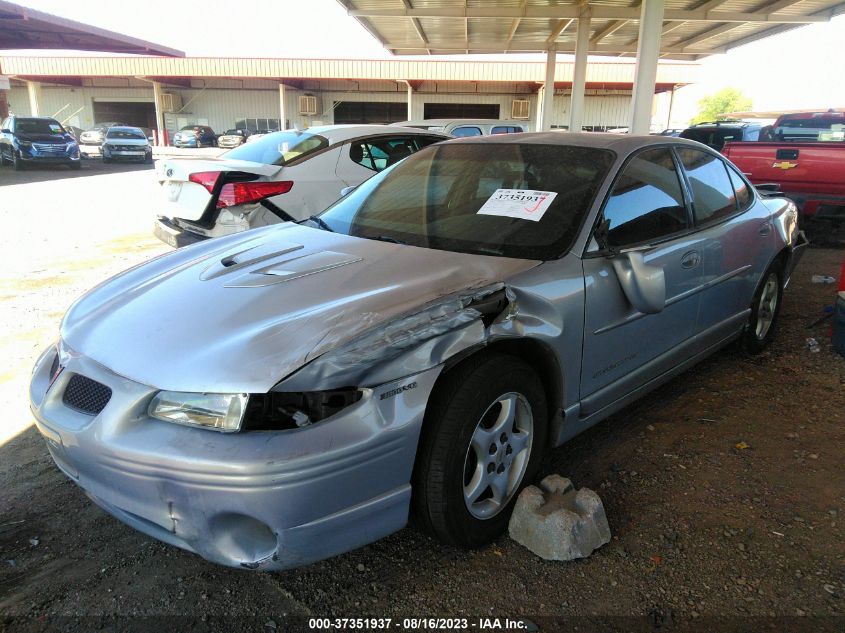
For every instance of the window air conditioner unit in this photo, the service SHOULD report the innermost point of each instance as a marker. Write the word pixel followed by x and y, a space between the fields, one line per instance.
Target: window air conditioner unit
pixel 520 108
pixel 171 101
pixel 308 105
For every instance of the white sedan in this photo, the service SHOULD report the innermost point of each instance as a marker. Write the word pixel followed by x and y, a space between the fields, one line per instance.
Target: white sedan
pixel 283 176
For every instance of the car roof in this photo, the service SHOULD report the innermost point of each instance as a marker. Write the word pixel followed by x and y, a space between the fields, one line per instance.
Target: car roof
pixel 443 122
pixel 125 127
pixel 341 132
pixel 622 144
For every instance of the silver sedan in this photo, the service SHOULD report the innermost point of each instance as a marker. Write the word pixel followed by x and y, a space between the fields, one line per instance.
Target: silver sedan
pixel 282 395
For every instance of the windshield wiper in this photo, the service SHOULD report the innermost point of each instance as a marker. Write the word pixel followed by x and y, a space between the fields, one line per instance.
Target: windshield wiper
pixel 387 238
pixel 320 222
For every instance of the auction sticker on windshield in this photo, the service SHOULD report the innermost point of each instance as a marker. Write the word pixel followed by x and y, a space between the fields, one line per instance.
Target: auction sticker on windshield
pixel 524 204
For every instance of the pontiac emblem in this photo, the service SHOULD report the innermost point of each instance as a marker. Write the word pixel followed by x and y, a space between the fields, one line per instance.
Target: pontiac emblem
pixel 784 165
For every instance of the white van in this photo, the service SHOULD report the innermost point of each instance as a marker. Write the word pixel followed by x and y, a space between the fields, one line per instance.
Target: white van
pixel 468 127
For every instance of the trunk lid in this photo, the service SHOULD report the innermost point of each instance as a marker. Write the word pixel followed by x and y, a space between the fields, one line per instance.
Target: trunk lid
pixel 188 200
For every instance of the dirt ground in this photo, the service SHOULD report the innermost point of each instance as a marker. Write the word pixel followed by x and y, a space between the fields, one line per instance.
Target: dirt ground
pixel 702 528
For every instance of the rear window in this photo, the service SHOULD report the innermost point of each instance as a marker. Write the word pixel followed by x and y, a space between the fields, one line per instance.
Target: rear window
pixel 815 129
pixel 38 126
pixel 127 134
pixel 279 148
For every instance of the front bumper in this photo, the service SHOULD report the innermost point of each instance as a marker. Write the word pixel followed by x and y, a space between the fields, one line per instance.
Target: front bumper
pixel 268 500
pixel 185 142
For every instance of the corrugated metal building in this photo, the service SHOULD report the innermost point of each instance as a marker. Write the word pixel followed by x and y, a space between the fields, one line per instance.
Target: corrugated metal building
pixel 259 93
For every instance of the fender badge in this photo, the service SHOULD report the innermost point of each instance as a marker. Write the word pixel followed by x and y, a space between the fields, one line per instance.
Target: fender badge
pixel 398 390
pixel 784 165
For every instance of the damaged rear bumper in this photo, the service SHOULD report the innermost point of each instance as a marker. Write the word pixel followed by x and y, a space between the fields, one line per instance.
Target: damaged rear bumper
pixel 169 233
pixel 261 499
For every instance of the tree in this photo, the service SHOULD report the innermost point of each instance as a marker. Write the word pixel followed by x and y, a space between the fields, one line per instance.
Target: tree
pixel 726 100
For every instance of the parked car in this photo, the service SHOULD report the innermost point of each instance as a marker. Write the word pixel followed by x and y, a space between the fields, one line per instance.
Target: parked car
pixel 716 133
pixel 282 176
pixel 805 157
pixel 91 140
pixel 254 136
pixel 671 132
pixel 232 138
pixel 126 143
pixel 37 140
pixel 275 397
pixel 195 136
pixel 467 127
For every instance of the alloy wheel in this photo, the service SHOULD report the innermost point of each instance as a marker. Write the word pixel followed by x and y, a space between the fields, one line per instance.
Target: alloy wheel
pixel 767 306
pixel 498 455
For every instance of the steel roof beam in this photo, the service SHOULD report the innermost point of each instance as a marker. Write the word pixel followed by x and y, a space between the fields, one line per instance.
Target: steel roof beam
pixel 597 13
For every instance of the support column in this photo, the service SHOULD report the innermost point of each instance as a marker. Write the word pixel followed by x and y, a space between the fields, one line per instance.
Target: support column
pixel 161 134
pixel 34 90
pixel 410 101
pixel 5 85
pixel 548 92
pixel 579 77
pixel 283 115
pixel 648 53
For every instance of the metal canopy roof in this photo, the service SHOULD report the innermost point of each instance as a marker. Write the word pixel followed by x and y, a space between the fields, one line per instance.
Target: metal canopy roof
pixel 691 28
pixel 24 28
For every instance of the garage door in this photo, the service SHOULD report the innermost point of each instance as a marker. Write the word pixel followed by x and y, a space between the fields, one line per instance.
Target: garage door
pixel 140 114
pixel 461 111
pixel 369 112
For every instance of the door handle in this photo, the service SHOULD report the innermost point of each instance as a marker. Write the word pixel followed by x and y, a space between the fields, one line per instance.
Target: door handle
pixel 690 259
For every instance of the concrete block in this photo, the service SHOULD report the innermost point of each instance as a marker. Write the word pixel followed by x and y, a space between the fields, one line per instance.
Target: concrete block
pixel 557 522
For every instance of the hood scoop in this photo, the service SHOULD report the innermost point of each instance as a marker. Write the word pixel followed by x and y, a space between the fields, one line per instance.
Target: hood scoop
pixel 247 257
pixel 293 268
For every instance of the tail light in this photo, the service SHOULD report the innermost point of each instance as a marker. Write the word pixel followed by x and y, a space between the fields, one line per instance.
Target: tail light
pixel 205 178
pixel 236 193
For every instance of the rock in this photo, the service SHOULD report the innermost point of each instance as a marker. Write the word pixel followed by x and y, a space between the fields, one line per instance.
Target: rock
pixel 34 541
pixel 556 522
pixel 361 567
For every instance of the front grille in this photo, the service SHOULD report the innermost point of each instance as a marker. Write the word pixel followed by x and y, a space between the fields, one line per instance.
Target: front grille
pixel 86 395
pixel 44 148
pixel 127 148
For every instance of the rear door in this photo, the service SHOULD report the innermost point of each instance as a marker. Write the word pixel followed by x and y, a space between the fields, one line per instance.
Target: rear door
pixel 624 348
pixel 737 235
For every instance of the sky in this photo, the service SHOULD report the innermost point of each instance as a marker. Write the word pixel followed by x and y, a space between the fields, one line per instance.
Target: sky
pixel 804 68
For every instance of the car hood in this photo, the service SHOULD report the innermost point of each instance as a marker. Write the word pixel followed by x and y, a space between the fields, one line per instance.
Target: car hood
pixel 239 313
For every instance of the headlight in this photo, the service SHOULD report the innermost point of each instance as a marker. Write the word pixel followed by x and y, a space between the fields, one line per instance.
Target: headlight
pixel 218 411
pixel 25 143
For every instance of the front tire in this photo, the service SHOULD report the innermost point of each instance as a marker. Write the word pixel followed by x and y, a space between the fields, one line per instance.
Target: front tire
pixel 483 437
pixel 17 163
pixel 765 309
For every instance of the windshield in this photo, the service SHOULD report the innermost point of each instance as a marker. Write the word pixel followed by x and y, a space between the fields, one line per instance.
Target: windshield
pixel 38 126
pixel 279 148
pixel 514 199
pixel 125 134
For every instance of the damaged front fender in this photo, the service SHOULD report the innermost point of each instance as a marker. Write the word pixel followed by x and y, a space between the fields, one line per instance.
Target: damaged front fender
pixel 411 343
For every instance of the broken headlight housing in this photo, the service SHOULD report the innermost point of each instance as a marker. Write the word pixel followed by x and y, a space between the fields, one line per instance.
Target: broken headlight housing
pixel 278 411
pixel 228 413
pixel 218 411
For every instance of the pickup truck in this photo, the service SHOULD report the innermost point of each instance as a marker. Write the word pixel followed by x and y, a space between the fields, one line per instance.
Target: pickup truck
pixel 804 154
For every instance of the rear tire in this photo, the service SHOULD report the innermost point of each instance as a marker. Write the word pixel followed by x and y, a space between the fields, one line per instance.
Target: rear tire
pixel 765 309
pixel 485 422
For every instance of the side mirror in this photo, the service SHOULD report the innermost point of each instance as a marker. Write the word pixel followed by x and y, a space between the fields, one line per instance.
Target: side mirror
pixel 644 285
pixel 347 190
pixel 5 130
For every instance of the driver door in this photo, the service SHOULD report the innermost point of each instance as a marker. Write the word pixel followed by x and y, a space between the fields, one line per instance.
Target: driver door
pixel 647 210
